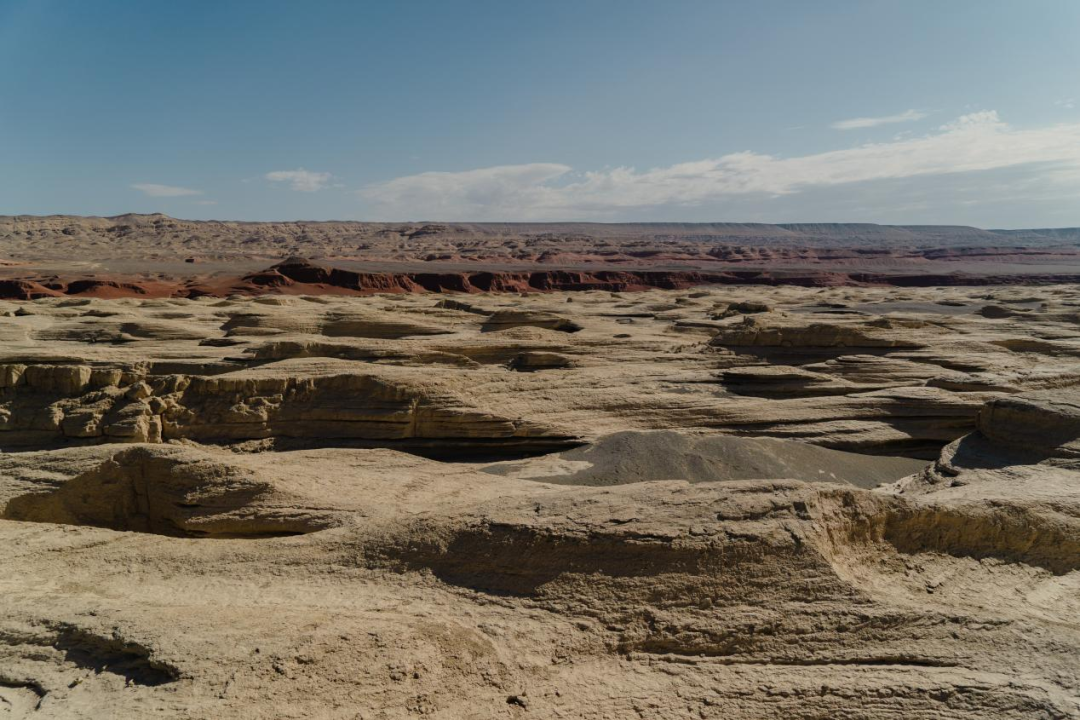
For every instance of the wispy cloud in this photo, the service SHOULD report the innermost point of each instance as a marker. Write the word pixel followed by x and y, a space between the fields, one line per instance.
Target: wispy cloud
pixel 301 179
pixel 1066 102
pixel 502 190
pixel 869 122
pixel 976 142
pixel 155 190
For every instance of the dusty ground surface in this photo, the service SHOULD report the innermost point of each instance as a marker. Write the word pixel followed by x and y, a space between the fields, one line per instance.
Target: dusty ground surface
pixel 720 502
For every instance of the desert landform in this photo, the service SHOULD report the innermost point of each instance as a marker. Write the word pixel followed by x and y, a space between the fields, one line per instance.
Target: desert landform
pixel 157 255
pixel 359 470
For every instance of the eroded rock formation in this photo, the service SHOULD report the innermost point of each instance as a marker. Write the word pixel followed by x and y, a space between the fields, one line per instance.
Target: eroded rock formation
pixel 712 503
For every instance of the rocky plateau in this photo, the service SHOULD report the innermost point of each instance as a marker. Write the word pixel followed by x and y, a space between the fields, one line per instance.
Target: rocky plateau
pixel 288 486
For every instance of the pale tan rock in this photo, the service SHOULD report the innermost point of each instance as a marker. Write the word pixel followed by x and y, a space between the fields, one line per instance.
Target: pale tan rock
pixel 506 319
pixel 216 531
pixel 764 331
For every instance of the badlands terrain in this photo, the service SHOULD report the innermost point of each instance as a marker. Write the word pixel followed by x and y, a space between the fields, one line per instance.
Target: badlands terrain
pixel 156 255
pixel 538 471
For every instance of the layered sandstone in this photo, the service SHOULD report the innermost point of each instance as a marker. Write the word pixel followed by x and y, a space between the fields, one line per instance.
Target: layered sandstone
pixel 713 502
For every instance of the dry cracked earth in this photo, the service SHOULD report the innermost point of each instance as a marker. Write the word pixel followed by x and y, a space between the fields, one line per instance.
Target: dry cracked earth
pixel 715 502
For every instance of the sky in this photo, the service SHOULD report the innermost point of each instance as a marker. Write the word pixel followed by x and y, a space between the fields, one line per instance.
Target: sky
pixel 890 111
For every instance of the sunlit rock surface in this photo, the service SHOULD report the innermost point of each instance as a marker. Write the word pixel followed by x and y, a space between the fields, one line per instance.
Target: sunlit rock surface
pixel 719 502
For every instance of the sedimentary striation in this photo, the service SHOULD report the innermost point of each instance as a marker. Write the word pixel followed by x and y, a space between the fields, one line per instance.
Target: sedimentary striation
pixel 160 256
pixel 757 501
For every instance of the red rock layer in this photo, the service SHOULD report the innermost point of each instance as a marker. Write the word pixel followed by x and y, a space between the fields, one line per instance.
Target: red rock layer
pixel 297 276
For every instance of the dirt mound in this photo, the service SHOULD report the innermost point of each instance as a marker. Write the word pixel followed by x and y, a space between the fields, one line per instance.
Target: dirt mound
pixel 630 457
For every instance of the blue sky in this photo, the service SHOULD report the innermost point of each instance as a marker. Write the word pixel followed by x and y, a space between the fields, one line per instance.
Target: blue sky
pixel 895 111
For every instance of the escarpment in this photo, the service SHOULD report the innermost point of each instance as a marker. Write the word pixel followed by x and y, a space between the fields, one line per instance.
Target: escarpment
pixel 195 258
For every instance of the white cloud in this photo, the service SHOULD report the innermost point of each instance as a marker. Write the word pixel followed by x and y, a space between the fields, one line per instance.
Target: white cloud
pixel 1068 103
pixel 505 189
pixel 869 122
pixel 976 142
pixel 301 179
pixel 155 190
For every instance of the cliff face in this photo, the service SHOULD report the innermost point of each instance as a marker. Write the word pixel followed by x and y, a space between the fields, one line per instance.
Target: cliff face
pixel 296 277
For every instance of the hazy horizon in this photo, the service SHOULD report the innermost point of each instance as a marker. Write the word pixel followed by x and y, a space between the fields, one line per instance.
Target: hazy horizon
pixel 422 221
